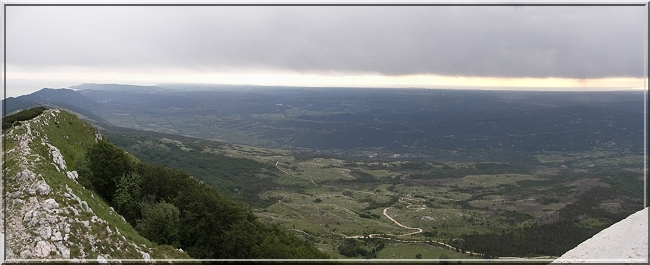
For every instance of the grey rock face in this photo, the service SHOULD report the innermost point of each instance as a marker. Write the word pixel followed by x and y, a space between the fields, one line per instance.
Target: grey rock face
pixel 50 204
pixel 42 188
pixel 24 175
pixel 45 232
pixel 72 175
pixel 43 249
pixel 56 236
pixel 43 221
pixel 57 157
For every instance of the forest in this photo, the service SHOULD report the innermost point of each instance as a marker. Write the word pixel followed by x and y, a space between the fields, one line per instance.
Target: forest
pixel 24 115
pixel 168 206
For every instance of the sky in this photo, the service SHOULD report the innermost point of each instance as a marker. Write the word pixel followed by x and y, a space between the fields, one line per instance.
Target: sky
pixel 462 46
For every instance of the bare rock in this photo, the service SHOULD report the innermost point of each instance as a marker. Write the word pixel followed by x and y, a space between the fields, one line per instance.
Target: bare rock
pixel 43 249
pixel 25 254
pixel 84 206
pixel 17 203
pixel 65 252
pixel 31 191
pixel 146 256
pixel 50 204
pixel 24 175
pixel 98 136
pixel 101 260
pixel 56 156
pixel 42 188
pixel 32 217
pixel 56 236
pixel 75 211
pixel 73 175
pixel 45 232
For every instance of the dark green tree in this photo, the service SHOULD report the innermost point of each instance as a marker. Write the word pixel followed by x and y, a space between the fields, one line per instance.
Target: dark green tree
pixel 160 223
pixel 128 196
pixel 107 163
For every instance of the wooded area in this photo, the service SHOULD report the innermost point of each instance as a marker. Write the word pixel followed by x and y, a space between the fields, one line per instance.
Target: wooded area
pixel 170 207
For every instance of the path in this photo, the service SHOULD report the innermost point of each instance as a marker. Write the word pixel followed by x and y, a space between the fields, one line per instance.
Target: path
pixel 401 225
pixel 278 166
pixel 382 236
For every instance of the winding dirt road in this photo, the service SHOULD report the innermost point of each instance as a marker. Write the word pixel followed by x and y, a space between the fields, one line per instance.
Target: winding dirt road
pixel 278 166
pixel 401 225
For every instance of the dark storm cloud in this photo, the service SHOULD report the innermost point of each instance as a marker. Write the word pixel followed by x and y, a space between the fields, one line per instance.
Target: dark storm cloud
pixel 498 41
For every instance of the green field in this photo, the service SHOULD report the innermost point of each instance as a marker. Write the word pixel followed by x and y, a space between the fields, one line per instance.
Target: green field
pixel 422 207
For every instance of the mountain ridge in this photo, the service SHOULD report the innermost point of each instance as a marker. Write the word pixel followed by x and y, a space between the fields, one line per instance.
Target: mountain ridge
pixel 64 177
pixel 49 214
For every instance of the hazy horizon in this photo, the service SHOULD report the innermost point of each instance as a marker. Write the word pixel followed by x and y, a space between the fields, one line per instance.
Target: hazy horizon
pixel 460 46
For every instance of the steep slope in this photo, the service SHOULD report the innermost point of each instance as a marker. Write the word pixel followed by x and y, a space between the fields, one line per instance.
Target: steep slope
pixel 49 215
pixel 623 242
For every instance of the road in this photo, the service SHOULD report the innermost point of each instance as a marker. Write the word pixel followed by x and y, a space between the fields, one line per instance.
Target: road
pixel 276 165
pixel 401 225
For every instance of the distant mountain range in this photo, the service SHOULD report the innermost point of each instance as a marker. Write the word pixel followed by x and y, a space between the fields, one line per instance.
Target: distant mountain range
pixel 353 121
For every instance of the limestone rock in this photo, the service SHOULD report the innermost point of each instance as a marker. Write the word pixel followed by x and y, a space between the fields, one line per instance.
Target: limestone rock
pixel 42 188
pixel 56 236
pixel 17 202
pixel 43 249
pixel 24 175
pixel 84 206
pixel 25 254
pixel 50 204
pixel 65 252
pixel 56 156
pixel 73 175
pixel 101 260
pixel 45 232
pixel 146 256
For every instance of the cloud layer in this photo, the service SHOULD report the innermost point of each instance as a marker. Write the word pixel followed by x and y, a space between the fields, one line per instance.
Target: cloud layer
pixel 496 41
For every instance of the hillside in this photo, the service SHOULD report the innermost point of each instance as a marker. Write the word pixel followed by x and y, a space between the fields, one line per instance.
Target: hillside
pixel 74 195
pixel 49 214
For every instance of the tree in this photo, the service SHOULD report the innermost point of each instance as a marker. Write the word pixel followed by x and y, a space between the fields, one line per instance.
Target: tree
pixel 107 163
pixel 418 256
pixel 127 197
pixel 160 223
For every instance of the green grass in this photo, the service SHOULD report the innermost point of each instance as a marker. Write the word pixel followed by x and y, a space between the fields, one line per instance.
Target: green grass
pixel 72 136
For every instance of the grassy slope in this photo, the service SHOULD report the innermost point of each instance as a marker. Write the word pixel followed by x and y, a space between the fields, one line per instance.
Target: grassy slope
pixel 72 136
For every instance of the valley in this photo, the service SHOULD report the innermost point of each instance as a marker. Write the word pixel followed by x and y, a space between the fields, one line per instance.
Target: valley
pixel 435 206
pixel 394 174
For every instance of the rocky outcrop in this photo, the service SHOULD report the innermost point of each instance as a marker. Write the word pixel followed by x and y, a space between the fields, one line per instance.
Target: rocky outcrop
pixel 46 217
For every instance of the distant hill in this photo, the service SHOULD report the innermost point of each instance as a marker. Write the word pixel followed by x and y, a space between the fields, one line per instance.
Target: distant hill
pixel 116 87
pixel 362 122
pixel 67 99
pixel 55 96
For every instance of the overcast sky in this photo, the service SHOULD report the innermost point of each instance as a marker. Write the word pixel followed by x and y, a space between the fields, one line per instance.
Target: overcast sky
pixel 397 46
